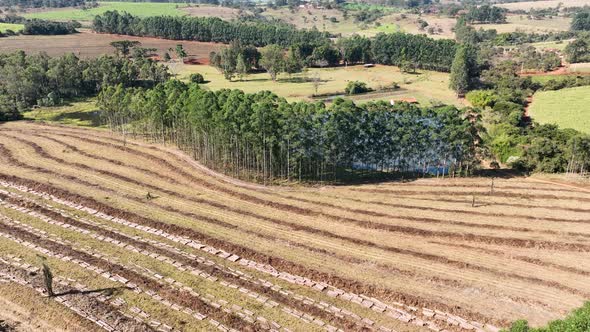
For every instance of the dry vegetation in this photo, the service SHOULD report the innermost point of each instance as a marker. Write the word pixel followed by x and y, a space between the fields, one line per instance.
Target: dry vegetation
pixel 224 13
pixel 410 24
pixel 88 44
pixel 306 18
pixel 524 24
pixel 526 5
pixel 197 249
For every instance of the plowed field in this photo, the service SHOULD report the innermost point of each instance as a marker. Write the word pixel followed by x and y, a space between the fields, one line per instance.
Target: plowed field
pixel 140 237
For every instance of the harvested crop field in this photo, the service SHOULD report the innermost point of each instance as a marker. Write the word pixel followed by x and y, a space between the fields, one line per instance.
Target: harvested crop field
pixel 88 44
pixel 184 248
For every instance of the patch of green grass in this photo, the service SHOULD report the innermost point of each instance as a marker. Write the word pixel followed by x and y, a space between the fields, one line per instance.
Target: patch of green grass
pixel 10 26
pixel 546 78
pixel 386 28
pixel 558 45
pixel 80 113
pixel 142 9
pixel 567 108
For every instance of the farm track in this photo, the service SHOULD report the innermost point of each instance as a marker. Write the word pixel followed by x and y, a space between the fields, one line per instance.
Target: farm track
pixel 438 243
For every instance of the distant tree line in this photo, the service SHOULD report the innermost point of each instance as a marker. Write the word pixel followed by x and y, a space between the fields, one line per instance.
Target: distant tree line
pixel 29 80
pixel 205 29
pixel 43 27
pixel 40 27
pixel 311 47
pixel 41 3
pixel 581 21
pixel 486 14
pixel 424 52
pixel 578 50
pixel 261 136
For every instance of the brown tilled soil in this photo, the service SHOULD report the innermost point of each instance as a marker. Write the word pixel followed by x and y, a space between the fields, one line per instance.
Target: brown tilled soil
pixel 90 45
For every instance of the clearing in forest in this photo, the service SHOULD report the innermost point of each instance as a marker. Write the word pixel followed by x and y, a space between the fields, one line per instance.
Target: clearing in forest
pixel 428 87
pixel 195 249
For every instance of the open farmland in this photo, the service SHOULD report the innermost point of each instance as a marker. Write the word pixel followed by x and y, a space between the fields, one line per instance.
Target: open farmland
pixel 224 13
pixel 567 108
pixel 306 18
pixel 425 86
pixel 88 44
pixel 142 9
pixel 181 247
pixel 523 24
pixel 410 24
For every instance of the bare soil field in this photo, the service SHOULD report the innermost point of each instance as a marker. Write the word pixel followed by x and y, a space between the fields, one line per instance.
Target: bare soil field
pixel 526 5
pixel 188 249
pixel 88 44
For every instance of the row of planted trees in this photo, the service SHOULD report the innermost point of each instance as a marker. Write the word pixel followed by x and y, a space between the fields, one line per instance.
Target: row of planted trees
pixel 312 47
pixel 264 138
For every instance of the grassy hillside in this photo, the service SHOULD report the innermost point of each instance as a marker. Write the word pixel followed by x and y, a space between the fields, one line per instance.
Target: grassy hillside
pixel 568 108
pixel 425 86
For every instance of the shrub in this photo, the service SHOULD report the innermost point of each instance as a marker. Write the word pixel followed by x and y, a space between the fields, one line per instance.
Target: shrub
pixel 577 321
pixel 356 87
pixel 197 78
pixel 482 98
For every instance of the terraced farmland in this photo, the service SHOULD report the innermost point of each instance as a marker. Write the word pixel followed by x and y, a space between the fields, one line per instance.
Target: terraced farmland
pixel 140 237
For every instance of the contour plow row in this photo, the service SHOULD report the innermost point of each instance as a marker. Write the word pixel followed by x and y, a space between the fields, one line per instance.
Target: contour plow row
pixel 163 235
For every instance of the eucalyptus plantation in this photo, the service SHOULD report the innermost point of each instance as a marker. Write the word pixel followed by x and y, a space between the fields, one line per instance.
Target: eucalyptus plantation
pixel 262 137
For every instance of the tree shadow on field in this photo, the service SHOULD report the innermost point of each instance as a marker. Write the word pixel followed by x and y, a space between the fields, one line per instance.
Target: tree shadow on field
pixel 300 80
pixel 500 173
pixel 254 80
pixel 93 117
pixel 106 291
